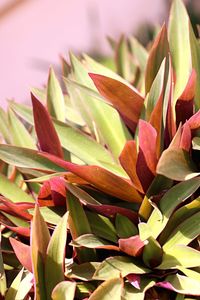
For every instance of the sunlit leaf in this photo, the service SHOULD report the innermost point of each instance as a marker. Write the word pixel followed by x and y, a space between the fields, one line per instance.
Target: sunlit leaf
pixel 64 290
pixel 55 98
pixel 47 136
pixel 55 254
pixel 11 191
pixel 180 45
pixel 39 242
pixel 111 288
pixel 119 265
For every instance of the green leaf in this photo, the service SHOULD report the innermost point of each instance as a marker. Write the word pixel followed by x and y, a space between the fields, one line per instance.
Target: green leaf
pixel 118 266
pixel 4 127
pixel 124 227
pixel 55 256
pixel 39 242
pixel 11 191
pixel 24 111
pixel 157 54
pixel 178 217
pixel 20 135
pixel 155 90
pixel 106 118
pixel 55 98
pixel 110 289
pixel 79 225
pixel 181 284
pixel 85 148
pixel 83 271
pixel 196 143
pixel 177 165
pixel 152 253
pixel 24 287
pixel 167 204
pixel 102 226
pixel 64 291
pixel 93 242
pixel 178 256
pixel 180 45
pixel 185 233
pixel 51 215
pixel 3 284
pixel 195 50
pixel 27 158
pixel 12 291
pixel 131 292
pixel 139 53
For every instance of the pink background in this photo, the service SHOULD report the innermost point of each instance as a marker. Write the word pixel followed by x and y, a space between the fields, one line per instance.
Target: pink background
pixel 35 32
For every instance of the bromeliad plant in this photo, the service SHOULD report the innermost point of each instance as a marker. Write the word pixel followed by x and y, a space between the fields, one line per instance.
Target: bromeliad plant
pixel 100 183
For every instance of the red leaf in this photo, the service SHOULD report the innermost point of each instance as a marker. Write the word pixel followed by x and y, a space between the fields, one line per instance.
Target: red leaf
pixel 158 52
pixel 23 253
pixel 132 246
pixel 46 133
pixel 127 101
pixel 24 231
pixel 58 190
pixel 102 179
pixel 186 138
pixel 147 159
pixel 18 209
pixel 128 160
pixel 194 121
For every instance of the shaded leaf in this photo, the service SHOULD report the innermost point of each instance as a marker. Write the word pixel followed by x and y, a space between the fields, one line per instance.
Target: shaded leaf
pixel 124 227
pixel 157 53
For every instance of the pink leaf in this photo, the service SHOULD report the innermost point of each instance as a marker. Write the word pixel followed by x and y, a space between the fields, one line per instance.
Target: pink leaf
pixel 132 246
pixel 23 253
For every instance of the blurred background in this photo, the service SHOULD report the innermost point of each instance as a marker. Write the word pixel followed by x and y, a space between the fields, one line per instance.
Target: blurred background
pixel 33 33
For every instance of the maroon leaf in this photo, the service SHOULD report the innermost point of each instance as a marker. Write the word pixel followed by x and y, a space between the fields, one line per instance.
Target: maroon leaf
pixel 46 133
pixel 127 101
pixel 111 211
pixel 158 52
pixel 132 246
pixel 185 103
pixel 134 279
pixel 128 160
pixel 23 253
pixel 101 179
pixel 58 190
